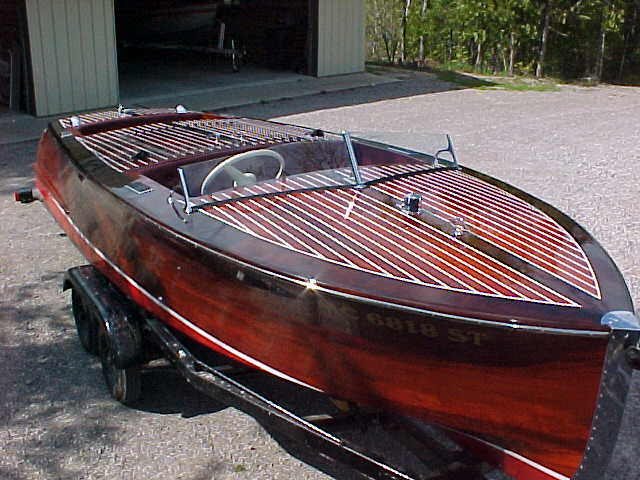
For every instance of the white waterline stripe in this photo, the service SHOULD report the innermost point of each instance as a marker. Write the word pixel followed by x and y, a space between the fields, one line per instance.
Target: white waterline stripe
pixel 514 455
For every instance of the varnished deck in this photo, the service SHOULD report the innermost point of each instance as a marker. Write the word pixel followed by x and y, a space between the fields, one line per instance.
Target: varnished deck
pixel 357 229
pixel 167 141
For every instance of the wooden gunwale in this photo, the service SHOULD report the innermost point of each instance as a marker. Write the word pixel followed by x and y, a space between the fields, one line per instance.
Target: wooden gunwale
pixel 524 266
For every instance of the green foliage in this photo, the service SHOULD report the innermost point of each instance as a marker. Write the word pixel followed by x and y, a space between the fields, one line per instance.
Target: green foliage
pixel 520 86
pixel 505 36
pixel 516 84
pixel 463 80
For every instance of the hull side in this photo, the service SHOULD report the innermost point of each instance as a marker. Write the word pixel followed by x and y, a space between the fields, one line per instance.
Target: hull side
pixel 534 393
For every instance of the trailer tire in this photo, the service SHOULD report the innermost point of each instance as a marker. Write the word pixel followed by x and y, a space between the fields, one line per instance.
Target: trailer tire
pixel 124 384
pixel 86 322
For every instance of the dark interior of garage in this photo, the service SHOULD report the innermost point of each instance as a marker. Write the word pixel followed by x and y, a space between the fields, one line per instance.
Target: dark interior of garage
pixel 181 46
pixel 13 56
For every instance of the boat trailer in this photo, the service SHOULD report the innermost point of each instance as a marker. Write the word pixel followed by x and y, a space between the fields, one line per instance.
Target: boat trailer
pixel 126 339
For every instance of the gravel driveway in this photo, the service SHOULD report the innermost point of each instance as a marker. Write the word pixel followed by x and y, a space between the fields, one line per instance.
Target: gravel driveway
pixel 577 148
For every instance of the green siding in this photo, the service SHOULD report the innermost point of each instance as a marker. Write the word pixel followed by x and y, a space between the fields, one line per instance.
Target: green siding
pixel 340 36
pixel 73 54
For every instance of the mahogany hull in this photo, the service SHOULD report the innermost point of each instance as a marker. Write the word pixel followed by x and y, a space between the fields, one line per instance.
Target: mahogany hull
pixel 533 391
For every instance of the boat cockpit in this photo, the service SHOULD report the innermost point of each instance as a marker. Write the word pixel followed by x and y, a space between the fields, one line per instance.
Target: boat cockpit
pixel 323 160
pixel 209 159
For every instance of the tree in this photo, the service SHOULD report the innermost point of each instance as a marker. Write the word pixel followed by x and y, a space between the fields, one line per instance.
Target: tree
pixel 606 4
pixel 405 16
pixel 544 39
pixel 423 15
pixel 569 38
pixel 631 9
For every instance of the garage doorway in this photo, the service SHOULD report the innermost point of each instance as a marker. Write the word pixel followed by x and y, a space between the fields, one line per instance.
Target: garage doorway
pixel 169 48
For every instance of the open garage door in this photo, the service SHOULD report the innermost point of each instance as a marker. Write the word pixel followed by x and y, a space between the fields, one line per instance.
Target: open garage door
pixel 172 48
pixel 86 54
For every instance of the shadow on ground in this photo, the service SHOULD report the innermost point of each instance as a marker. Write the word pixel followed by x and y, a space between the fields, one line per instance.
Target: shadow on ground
pixel 56 420
pixel 411 83
pixel 45 386
pixel 16 162
pixel 166 392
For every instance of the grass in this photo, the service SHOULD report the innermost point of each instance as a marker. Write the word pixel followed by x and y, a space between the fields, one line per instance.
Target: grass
pixel 519 84
pixel 239 468
pixel 451 74
pixel 464 80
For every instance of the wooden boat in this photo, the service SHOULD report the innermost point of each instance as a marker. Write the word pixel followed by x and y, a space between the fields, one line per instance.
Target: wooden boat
pixel 375 273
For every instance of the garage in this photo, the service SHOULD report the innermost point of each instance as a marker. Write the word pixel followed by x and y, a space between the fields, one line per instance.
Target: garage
pixel 193 45
pixel 84 54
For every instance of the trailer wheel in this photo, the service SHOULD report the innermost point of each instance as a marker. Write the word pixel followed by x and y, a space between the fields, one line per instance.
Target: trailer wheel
pixel 86 322
pixel 124 384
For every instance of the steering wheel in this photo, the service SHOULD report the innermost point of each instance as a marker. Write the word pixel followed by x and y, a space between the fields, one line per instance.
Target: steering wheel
pixel 241 179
